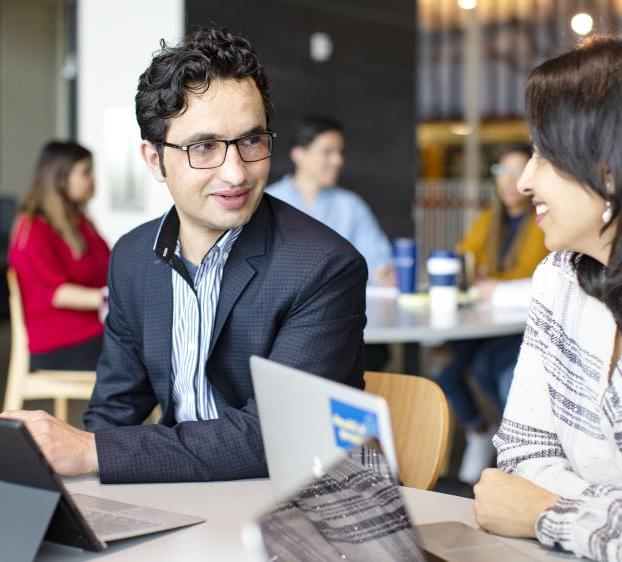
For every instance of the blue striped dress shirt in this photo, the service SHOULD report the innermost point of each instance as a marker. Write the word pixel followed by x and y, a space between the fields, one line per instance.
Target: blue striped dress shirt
pixel 194 311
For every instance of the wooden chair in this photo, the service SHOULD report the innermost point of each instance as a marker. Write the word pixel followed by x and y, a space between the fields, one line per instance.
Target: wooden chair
pixel 61 386
pixel 420 422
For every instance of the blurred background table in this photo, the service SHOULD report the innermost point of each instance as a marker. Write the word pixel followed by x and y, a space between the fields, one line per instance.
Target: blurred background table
pixel 396 319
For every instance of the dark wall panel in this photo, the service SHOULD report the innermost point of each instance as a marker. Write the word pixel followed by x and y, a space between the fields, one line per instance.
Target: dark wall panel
pixel 368 84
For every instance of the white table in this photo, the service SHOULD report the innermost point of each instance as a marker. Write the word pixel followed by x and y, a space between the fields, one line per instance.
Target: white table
pixel 226 506
pixel 390 320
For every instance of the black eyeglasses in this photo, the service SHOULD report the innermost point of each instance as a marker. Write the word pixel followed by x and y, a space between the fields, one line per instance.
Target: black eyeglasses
pixel 208 154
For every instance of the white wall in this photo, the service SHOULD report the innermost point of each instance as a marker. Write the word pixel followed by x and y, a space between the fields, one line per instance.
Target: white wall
pixel 115 41
pixel 32 91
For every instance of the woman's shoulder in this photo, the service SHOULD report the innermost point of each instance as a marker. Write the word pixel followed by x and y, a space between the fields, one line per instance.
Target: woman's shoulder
pixel 477 233
pixel 482 221
pixel 554 271
pixel 559 262
pixel 31 227
pixel 30 234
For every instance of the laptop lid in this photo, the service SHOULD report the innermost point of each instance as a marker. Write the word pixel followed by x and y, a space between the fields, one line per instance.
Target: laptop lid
pixel 308 422
pixel 80 520
pixel 355 511
pixel 23 464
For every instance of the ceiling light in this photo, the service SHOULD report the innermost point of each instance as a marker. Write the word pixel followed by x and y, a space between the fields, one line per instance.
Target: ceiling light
pixel 467 4
pixel 320 46
pixel 582 23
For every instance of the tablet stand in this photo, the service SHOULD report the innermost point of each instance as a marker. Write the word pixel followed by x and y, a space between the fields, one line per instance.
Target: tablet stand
pixel 25 513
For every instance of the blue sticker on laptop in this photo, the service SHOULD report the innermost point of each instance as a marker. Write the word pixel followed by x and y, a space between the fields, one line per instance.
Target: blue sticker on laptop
pixel 352 425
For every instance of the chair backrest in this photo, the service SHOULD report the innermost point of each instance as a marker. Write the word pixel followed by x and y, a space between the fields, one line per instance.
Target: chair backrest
pixel 420 422
pixel 19 362
pixel 57 385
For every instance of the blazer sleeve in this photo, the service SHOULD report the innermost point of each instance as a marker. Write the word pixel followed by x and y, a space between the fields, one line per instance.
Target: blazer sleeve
pixel 322 333
pixel 119 399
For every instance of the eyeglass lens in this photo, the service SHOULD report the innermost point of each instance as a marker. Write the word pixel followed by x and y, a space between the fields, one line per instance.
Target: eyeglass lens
pixel 210 154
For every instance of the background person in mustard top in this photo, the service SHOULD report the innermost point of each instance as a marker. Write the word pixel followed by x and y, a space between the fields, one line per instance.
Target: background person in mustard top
pixel 505 244
pixel 61 261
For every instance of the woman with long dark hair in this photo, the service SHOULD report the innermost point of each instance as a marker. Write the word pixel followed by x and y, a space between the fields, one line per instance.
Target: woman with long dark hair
pixel 560 443
pixel 61 261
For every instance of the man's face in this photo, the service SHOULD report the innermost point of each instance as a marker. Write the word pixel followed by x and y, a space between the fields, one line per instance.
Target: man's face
pixel 222 198
pixel 322 160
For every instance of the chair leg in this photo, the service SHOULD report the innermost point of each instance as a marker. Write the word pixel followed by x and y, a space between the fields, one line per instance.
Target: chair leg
pixel 13 396
pixel 154 416
pixel 451 434
pixel 61 408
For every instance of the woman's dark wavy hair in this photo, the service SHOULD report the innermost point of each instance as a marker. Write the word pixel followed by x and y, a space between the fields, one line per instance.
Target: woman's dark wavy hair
pixel 574 109
pixel 190 66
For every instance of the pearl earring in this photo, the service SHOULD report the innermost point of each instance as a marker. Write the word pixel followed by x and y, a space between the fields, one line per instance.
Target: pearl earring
pixel 607 213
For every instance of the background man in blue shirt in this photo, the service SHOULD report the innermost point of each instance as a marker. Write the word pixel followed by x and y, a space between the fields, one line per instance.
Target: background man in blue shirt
pixel 317 153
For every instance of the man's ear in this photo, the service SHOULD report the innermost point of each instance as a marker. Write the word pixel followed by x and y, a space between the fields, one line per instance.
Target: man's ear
pixel 150 155
pixel 296 154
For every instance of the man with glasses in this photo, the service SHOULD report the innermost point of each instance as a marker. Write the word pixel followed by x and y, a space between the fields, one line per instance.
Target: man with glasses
pixel 228 272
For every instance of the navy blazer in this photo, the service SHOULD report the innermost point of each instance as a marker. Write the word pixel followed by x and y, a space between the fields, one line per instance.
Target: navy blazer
pixel 292 290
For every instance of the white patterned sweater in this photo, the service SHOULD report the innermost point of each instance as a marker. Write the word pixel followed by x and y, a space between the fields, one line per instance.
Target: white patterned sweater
pixel 562 426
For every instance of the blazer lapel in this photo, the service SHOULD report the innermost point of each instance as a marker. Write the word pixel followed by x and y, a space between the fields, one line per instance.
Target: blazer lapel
pixel 158 319
pixel 240 268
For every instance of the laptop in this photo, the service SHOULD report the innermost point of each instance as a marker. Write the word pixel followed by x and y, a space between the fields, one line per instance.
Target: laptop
pixel 309 425
pixel 354 511
pixel 308 422
pixel 78 520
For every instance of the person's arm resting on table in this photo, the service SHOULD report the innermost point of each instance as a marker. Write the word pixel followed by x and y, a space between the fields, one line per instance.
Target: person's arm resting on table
pixel 541 496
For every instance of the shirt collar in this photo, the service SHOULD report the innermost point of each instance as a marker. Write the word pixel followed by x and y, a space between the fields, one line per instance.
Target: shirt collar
pixel 166 244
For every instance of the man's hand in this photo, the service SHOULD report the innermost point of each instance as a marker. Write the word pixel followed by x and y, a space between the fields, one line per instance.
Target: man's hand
pixel 70 451
pixel 509 505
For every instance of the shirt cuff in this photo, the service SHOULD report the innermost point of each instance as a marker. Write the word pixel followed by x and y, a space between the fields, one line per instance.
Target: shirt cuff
pixel 554 526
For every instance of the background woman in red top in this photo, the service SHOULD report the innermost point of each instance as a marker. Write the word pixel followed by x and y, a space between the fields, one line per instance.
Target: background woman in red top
pixel 61 261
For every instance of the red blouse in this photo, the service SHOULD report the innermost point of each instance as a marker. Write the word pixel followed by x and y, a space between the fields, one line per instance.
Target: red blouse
pixel 43 262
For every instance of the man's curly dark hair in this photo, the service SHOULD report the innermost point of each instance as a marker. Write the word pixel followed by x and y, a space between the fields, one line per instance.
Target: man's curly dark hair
pixel 190 66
